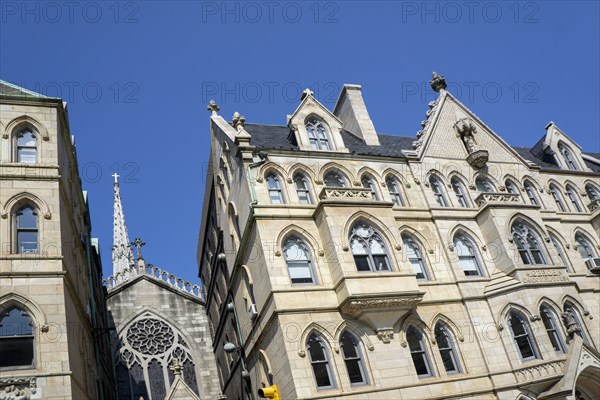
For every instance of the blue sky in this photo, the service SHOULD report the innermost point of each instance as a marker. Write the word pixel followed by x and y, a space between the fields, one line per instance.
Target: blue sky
pixel 138 75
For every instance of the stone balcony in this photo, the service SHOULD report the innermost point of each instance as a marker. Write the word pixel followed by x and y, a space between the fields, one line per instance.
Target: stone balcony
pixel 497 198
pixel 353 194
pixel 594 205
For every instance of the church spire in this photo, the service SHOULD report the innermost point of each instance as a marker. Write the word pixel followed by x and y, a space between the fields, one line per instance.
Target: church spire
pixel 122 256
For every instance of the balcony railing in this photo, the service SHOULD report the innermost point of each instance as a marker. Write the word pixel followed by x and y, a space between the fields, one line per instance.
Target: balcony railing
pixel 330 193
pixel 594 205
pixel 497 198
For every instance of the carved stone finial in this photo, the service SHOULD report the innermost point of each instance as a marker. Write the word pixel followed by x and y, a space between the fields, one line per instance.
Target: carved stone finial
pixel 213 107
pixel 137 242
pixel 437 82
pixel 385 334
pixel 570 324
pixel 238 121
pixel 306 92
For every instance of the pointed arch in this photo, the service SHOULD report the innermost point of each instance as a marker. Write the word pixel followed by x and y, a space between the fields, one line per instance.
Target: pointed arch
pixel 263 358
pixel 301 233
pixel 454 329
pixel 468 231
pixel 484 176
pixel 580 312
pixel 409 230
pixel 547 300
pixel 15 299
pixel 335 167
pixel 373 221
pixel 586 234
pixel 21 198
pixel 368 170
pixel 411 319
pixel 270 166
pixel 315 327
pixel 300 168
pixel 513 306
pixel 358 330
pixel 23 121
pixel 528 220
pixel 393 172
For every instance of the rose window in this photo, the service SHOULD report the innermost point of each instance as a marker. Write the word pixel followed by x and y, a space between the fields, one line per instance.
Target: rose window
pixel 150 336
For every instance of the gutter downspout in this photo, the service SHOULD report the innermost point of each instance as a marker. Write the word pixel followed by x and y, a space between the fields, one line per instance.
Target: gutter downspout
pixel 263 158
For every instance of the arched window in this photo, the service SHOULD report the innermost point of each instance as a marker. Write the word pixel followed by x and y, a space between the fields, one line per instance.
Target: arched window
pixel 368 248
pixel 511 187
pixel 561 252
pixel 446 346
pixel 26 146
pixel 299 263
pixel 418 352
pixel 467 255
pixel 318 134
pixel 353 358
pixel 569 308
pixel 148 347
pixel 558 199
pixel 438 190
pixel 415 257
pixel 484 185
pixel 461 192
pixel 592 192
pixel 16 338
pixel 275 189
pixel 395 191
pixel 585 248
pixel 530 190
pixel 528 243
pixel 552 326
pixel 335 179
pixel 521 334
pixel 369 183
pixel 574 198
pixel 319 360
pixel 568 157
pixel 302 189
pixel 27 230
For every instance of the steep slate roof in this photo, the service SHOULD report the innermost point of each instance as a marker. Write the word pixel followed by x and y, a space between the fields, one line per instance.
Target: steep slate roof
pixel 276 137
pixel 9 89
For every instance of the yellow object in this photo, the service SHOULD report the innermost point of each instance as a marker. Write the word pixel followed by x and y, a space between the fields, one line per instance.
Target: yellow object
pixel 271 392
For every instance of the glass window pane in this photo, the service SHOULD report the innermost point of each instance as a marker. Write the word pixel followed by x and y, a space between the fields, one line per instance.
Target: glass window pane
pixel 322 375
pixel 377 247
pixel 316 351
pixel 16 351
pixel 15 322
pixel 27 218
pixel 27 242
pixel 27 155
pixel 358 247
pixel 362 263
pixel 381 263
pixel 293 251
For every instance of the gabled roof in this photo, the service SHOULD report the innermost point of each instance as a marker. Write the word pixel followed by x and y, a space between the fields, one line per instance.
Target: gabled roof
pixel 275 137
pixel 10 89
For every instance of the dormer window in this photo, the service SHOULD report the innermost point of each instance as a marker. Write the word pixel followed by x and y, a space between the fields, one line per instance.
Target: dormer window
pixel 318 134
pixel 568 157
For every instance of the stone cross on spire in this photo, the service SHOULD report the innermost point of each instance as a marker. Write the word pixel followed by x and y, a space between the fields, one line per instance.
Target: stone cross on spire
pixel 122 256
pixel 137 242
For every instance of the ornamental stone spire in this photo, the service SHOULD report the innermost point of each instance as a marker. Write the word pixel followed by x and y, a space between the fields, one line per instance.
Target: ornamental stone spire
pixel 122 256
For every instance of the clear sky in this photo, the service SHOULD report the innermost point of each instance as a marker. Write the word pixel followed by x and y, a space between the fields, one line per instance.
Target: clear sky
pixel 138 74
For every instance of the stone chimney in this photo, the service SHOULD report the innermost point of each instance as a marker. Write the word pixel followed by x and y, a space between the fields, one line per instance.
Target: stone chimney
pixel 352 111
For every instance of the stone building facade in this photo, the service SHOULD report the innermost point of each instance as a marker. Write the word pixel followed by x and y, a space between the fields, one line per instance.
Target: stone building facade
pixel 160 339
pixel 339 262
pixel 53 317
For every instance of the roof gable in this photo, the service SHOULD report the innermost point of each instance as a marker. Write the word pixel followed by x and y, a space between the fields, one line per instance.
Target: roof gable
pixel 10 89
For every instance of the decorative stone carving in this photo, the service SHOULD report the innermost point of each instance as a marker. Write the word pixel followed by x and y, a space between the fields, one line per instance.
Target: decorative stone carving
pixel 535 317
pixel 498 198
pixel 478 158
pixel 355 307
pixel 259 179
pixel 48 215
pixel 302 353
pixel 44 328
pixel 594 205
pixel 570 324
pixel 417 181
pixel 4 215
pixel 321 252
pixel 385 334
pixel 346 193
pixel 345 247
pixel 437 82
pixel 289 180
pixel 213 107
pixel 450 247
pixel 114 281
pixel 541 370
pixel 238 121
pixel 500 327
pixel 544 276
pixel 398 247
pixel 18 388
pixel 277 253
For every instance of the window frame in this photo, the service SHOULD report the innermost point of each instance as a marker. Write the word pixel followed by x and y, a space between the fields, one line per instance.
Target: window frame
pixel 359 358
pixel 568 157
pixel 469 243
pixel 316 142
pixel 526 255
pixel 574 198
pixel 460 192
pixel 530 189
pixel 339 176
pixel 549 317
pixel 295 240
pixel 561 252
pixel 365 241
pixel 421 352
pixel 301 177
pixel 368 182
pixel 577 317
pixel 19 148
pixel 31 338
pixel 395 191
pixel 450 349
pixel 420 259
pixel 483 182
pixel 558 198
pixel 439 192
pixel 274 177
pixel 508 183
pixel 592 191
pixel 527 334
pixel 328 361
pixel 18 229
pixel 582 241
